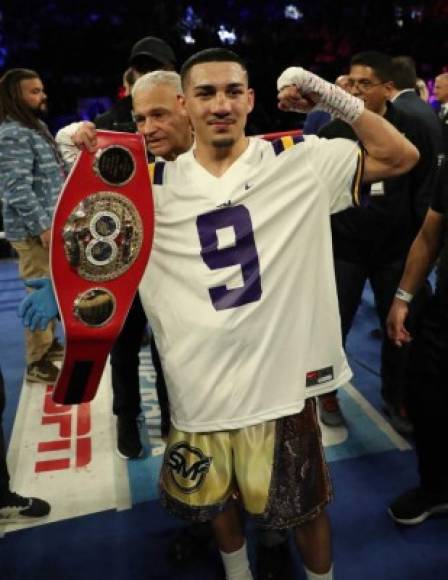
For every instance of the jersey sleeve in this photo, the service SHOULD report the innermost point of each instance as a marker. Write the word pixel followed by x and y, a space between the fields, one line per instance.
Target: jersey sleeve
pixel 338 165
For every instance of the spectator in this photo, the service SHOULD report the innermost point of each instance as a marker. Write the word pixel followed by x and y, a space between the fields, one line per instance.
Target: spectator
pixel 148 54
pixel 31 176
pixel 371 242
pixel 15 507
pixel 427 399
pixel 441 94
pixel 129 78
pixel 403 95
pixel 426 126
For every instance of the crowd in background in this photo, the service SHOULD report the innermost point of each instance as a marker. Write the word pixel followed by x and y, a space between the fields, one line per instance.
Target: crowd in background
pixel 81 48
pixel 82 67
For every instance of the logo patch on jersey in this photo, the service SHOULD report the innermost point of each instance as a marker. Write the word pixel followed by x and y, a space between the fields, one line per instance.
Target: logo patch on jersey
pixel 188 466
pixel 377 188
pixel 319 377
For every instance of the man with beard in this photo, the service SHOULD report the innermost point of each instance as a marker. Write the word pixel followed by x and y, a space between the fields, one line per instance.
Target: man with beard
pixel 31 176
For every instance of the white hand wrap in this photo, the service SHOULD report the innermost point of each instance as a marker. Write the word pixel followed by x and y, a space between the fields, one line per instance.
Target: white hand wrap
pixel 332 99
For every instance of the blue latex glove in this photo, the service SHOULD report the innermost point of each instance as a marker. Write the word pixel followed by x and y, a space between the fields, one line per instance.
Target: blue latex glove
pixel 39 307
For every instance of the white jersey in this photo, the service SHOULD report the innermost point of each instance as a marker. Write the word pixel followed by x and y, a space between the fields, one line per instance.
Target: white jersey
pixel 240 290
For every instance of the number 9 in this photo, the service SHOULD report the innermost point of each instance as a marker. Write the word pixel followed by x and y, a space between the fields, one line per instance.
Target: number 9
pixel 244 253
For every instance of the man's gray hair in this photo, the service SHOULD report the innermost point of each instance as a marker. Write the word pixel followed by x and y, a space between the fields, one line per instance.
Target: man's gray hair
pixel 158 77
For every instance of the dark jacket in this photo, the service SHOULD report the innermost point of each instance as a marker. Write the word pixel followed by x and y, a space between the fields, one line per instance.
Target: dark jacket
pixel 392 211
pixel 411 103
pixel 440 205
pixel 434 326
pixel 424 114
pixel 444 125
pixel 118 117
pixel 314 121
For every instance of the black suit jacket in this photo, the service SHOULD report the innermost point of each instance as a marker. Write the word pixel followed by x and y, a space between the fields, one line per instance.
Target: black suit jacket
pixel 429 142
pixel 444 125
pixel 118 117
pixel 382 229
pixel 411 103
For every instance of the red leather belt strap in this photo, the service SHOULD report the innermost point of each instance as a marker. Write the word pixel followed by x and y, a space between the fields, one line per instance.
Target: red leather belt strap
pixel 101 241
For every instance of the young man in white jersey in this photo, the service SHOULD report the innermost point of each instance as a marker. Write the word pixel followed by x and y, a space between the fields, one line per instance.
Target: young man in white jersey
pixel 167 134
pixel 243 244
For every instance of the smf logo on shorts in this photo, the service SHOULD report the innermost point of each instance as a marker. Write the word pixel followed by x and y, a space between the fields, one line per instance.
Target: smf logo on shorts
pixel 188 466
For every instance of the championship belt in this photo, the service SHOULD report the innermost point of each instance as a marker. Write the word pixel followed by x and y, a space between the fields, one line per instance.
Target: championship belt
pixel 279 134
pixel 101 240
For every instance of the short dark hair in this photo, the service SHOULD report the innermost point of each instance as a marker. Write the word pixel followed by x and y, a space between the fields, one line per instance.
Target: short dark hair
pixel 378 61
pixel 210 55
pixel 12 105
pixel 403 71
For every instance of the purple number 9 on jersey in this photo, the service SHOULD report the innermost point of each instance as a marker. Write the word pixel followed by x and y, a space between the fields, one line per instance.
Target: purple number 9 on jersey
pixel 243 253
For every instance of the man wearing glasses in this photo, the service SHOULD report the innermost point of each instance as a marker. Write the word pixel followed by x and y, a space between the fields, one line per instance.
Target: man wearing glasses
pixel 371 242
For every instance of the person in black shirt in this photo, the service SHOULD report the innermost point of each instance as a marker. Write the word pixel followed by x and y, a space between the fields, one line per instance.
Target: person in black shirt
pixel 428 386
pixel 15 507
pixel 404 96
pixel 371 241
pixel 148 54
pixel 441 94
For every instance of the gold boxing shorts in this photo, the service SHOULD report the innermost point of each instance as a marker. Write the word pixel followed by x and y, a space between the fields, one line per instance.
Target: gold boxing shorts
pixel 277 469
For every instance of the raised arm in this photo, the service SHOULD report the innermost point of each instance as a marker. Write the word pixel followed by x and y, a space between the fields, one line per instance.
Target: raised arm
pixel 389 153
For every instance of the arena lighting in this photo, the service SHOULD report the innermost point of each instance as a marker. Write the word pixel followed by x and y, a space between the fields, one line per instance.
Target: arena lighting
pixel 188 39
pixel 190 19
pixel 189 22
pixel 292 12
pixel 3 55
pixel 3 48
pixel 226 36
pixel 417 13
pixel 399 16
pixel 414 12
